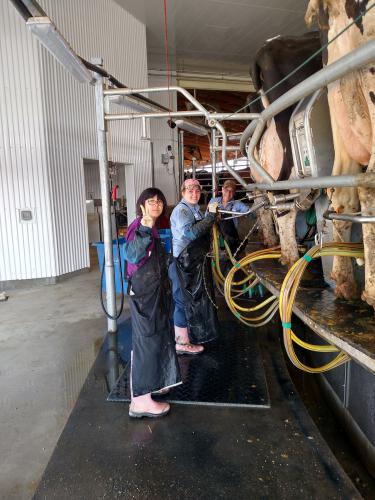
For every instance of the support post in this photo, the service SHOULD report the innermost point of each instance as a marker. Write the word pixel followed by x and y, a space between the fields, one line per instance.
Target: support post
pixel 107 232
pixel 181 158
pixel 213 161
pixel 193 167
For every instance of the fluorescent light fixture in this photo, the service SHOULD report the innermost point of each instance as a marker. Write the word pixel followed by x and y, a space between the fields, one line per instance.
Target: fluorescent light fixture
pixel 49 36
pixel 191 127
pixel 134 104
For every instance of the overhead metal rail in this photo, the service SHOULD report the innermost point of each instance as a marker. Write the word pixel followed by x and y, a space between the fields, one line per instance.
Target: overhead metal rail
pixel 200 110
pixel 212 118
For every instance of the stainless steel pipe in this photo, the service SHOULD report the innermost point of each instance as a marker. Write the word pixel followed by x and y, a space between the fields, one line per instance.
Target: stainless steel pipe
pixel 107 230
pixel 356 218
pixel 220 128
pixel 358 180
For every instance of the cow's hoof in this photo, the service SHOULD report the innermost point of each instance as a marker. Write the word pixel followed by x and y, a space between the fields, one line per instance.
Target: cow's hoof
pixel 285 261
pixel 347 291
pixel 366 297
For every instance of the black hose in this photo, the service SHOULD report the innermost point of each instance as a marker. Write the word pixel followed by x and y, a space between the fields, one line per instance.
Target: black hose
pixel 309 233
pixel 22 9
pixel 115 318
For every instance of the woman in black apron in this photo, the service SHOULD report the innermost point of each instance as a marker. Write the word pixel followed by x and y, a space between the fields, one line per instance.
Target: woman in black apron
pixel 154 366
pixel 195 316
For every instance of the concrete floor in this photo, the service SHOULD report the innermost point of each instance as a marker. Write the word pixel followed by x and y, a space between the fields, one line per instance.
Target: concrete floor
pixel 49 338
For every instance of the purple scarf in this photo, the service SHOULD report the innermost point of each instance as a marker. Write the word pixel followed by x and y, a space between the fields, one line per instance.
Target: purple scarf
pixel 130 236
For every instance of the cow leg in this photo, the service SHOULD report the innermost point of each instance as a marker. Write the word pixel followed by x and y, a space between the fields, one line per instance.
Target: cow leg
pixel 367 197
pixel 288 240
pixel 342 269
pixel 267 228
pixel 344 200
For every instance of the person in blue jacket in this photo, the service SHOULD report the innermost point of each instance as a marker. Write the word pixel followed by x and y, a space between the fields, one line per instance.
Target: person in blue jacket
pixel 195 317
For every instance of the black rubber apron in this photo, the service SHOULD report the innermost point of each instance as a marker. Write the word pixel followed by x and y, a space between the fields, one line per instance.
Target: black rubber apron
pixel 155 364
pixel 229 233
pixel 194 272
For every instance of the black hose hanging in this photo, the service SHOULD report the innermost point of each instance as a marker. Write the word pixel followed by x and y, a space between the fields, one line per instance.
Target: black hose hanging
pixel 115 318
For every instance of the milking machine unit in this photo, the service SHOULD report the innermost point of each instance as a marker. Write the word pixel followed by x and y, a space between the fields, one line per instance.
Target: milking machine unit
pixel 313 155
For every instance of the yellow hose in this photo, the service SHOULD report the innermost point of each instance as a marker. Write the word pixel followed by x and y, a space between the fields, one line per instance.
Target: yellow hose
pixel 216 268
pixel 236 308
pixel 287 296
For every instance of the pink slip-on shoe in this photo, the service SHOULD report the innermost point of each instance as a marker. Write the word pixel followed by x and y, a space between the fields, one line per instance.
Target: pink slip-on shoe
pixel 189 348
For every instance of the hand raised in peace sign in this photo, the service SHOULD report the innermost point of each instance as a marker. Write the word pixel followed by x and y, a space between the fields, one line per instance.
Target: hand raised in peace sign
pixel 146 220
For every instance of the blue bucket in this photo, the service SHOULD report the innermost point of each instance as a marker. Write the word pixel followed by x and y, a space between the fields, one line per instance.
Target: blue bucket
pixel 116 262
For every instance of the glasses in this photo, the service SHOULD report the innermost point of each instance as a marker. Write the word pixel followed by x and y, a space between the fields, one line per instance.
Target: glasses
pixel 192 189
pixel 154 203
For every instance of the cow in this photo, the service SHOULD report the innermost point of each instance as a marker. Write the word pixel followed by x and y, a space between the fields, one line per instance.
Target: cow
pixel 352 110
pixel 276 59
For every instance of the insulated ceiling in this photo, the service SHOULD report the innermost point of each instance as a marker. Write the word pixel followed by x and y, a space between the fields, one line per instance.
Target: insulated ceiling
pixel 220 36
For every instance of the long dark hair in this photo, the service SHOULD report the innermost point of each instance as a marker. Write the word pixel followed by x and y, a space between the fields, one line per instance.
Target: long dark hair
pixel 146 195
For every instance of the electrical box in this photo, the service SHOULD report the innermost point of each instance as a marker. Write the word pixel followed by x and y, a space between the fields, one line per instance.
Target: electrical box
pixel 164 158
pixel 26 215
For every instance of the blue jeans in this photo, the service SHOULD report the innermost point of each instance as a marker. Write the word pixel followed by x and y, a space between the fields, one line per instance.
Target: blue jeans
pixel 179 317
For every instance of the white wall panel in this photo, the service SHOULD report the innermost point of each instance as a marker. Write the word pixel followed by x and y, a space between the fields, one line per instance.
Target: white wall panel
pixel 162 136
pixel 26 248
pixel 45 168
pixel 93 28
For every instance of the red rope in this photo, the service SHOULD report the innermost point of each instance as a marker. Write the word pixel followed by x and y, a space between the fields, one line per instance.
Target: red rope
pixel 166 51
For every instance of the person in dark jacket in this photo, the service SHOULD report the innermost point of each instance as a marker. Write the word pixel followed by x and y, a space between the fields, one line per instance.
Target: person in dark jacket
pixel 229 227
pixel 195 317
pixel 154 366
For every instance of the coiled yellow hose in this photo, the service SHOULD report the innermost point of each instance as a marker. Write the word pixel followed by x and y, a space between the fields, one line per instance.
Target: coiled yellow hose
pixel 236 308
pixel 216 268
pixel 287 296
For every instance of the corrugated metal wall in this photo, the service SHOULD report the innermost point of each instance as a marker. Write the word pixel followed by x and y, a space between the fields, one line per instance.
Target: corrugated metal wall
pixel 162 136
pixel 59 114
pixel 26 248
pixel 93 28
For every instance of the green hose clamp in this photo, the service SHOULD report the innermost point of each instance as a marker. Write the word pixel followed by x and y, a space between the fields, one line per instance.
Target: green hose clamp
pixel 307 257
pixel 288 326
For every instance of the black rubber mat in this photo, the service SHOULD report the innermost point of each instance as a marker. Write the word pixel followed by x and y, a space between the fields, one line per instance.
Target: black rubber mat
pixel 229 373
pixel 196 452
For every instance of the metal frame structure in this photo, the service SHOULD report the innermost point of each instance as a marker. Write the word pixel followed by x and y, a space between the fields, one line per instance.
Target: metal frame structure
pixel 105 97
pixel 254 130
pixel 352 61
pixel 146 109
